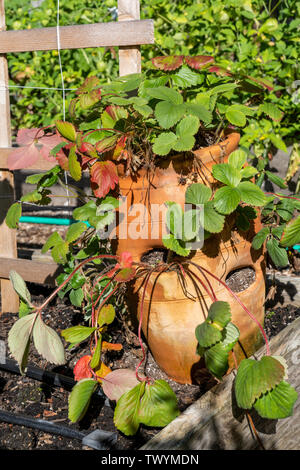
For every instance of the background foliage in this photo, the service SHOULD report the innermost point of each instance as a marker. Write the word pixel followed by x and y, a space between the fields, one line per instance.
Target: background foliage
pixel 256 36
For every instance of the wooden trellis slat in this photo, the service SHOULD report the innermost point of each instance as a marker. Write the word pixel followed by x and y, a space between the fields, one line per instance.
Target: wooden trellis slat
pixel 128 33
pixel 8 240
pixel 125 33
pixel 31 271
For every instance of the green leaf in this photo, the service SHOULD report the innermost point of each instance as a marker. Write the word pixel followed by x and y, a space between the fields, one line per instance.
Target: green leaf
pixel 67 130
pixel 291 234
pixel 75 230
pixel 235 116
pixel 47 342
pixel 126 416
pixel 216 360
pixel 85 212
pixel 248 172
pixel 276 180
pixel 278 403
pixel 226 199
pixel 144 110
pixel 185 77
pixel 59 252
pixel 213 221
pixel 168 114
pixel 237 158
pixel 13 215
pixel 174 218
pixel 24 309
pixel 200 111
pixel 231 335
pixel 219 313
pixel 166 94
pixel 251 194
pixel 278 142
pixel 53 240
pixel 164 143
pixel 188 125
pixel 77 334
pixel 19 286
pixel 278 255
pixel 255 378
pixel 175 245
pixel 158 405
pixel 32 196
pixel 260 238
pixel 19 339
pixel 197 193
pixel 80 398
pixel 106 315
pixel 227 174
pixel 207 335
pixel 95 361
pixel 74 165
pixel 271 110
pixel 76 297
pixel 184 143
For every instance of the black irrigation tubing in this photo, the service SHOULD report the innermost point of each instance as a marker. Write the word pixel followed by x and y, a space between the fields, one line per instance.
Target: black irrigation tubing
pixel 97 439
pixel 45 376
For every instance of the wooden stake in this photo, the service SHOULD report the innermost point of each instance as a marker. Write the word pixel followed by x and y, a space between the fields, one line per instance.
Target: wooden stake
pixel 129 57
pixel 8 239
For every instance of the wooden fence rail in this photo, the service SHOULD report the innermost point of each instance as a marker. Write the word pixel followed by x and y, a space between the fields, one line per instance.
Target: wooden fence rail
pixel 128 33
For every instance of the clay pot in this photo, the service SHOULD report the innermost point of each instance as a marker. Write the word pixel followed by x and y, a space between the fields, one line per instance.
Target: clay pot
pixel 171 312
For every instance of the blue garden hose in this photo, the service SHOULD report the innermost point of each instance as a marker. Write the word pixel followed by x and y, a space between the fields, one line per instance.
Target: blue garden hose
pixel 48 220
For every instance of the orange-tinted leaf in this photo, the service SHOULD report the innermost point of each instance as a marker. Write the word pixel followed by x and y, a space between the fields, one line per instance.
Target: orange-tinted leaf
pixel 104 177
pixel 106 315
pixel 199 61
pixel 111 346
pixel 81 369
pixel 170 62
pixel 125 275
pixel 88 85
pixel 103 371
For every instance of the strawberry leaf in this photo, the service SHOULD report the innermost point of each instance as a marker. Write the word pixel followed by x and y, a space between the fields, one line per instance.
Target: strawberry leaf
pixel 81 369
pixel 104 177
pixel 167 63
pixel 199 61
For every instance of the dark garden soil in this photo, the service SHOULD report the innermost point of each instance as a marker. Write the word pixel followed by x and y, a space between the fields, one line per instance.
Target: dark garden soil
pixel 29 397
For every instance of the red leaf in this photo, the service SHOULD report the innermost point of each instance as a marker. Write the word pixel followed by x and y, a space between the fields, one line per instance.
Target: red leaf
pixel 219 70
pixel 119 382
pixel 48 143
pixel 27 136
pixel 104 177
pixel 23 157
pixel 199 61
pixel 81 369
pixel 170 62
pixel 62 160
pixel 125 260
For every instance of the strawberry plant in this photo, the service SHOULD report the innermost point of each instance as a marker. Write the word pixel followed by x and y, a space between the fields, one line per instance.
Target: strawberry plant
pixel 137 122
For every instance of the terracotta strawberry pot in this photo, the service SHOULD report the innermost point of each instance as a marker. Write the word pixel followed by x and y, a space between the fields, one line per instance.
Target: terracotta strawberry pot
pixel 170 314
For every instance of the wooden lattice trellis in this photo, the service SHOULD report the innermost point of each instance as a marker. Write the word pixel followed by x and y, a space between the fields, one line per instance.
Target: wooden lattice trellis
pixel 129 32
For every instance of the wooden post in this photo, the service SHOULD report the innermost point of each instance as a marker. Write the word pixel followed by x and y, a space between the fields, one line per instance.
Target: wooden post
pixel 8 239
pixel 129 56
